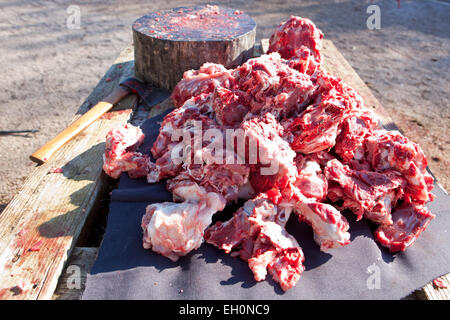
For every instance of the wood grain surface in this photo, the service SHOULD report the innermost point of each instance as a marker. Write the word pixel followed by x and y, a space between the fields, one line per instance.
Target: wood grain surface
pixel 162 56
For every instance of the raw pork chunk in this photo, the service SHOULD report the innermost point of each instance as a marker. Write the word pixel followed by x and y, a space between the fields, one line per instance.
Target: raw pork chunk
pixel 175 229
pixel 316 128
pixel 203 80
pixel 294 34
pixel 268 84
pixel 270 157
pixel 409 220
pixel 329 226
pixel 120 155
pixel 354 131
pixel 391 150
pixel 366 193
pixel 257 232
pixel 177 135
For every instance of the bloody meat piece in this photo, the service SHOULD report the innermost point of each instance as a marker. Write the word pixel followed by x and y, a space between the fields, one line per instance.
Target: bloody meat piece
pixel 229 107
pixel 179 131
pixel 329 226
pixel 203 80
pixel 198 108
pixel 120 155
pixel 316 128
pixel 293 34
pixel 224 179
pixel 353 133
pixel 175 229
pixel 268 84
pixel 409 221
pixel 257 231
pixel 304 61
pixel 365 193
pixel 269 156
pixel 311 180
pixel 391 150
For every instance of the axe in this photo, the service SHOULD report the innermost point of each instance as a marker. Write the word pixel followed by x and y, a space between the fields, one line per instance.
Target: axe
pixel 148 94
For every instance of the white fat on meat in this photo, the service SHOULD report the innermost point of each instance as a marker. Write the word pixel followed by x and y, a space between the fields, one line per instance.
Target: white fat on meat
pixel 329 225
pixel 258 231
pixel 409 221
pixel 175 229
pixel 120 155
pixel 366 193
pixel 203 80
pixel 391 150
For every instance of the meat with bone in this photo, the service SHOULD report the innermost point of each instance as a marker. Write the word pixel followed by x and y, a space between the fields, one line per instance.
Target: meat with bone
pixel 293 34
pixel 366 193
pixel 316 128
pixel 229 107
pixel 175 229
pixel 329 226
pixel 353 133
pixel 120 155
pixel 304 61
pixel 277 253
pixel 409 220
pixel 197 108
pixel 203 80
pixel 223 179
pixel 268 84
pixel 391 150
pixel 257 231
pixel 177 135
pixel 270 157
pixel 310 180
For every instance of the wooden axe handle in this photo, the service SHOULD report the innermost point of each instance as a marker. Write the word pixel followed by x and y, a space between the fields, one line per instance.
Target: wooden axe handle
pixel 44 153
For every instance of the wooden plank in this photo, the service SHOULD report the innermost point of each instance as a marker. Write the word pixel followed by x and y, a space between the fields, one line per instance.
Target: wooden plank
pixel 40 226
pixel 72 282
pixel 432 292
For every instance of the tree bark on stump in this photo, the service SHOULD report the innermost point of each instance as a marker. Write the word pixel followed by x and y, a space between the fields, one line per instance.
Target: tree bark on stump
pixel 168 43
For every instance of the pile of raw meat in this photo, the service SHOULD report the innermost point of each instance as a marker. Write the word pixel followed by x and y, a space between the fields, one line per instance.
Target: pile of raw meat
pixel 308 148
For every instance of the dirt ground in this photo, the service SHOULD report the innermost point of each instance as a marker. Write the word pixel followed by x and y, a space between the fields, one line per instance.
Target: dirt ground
pixel 49 69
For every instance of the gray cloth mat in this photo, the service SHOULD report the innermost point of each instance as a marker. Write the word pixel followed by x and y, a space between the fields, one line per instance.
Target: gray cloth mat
pixel 360 270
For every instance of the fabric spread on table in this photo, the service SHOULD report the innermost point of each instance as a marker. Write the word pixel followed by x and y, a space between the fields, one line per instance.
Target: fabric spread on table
pixel 360 270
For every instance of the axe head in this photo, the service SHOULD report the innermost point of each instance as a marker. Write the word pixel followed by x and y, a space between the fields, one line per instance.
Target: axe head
pixel 150 95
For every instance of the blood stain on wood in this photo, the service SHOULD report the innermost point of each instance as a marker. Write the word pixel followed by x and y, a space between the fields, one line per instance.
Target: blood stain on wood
pixel 438 283
pixel 36 246
pixel 56 170
pixel 3 291
pixel 113 114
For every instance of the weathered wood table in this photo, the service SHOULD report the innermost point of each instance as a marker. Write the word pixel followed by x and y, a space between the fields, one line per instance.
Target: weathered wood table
pixel 43 229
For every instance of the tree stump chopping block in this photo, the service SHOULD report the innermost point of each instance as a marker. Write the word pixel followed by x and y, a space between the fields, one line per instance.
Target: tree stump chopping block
pixel 168 43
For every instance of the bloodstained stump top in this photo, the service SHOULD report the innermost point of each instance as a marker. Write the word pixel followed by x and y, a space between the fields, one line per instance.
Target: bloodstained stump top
pixel 199 23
